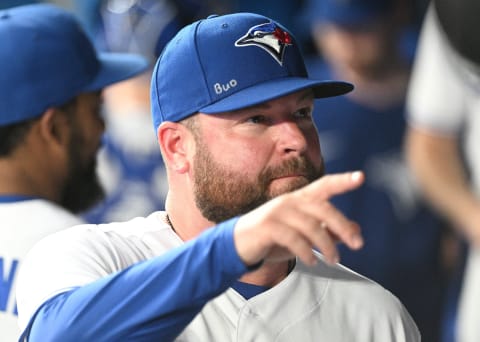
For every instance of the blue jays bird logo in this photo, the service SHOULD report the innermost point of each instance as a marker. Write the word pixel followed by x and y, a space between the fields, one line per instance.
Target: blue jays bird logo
pixel 269 37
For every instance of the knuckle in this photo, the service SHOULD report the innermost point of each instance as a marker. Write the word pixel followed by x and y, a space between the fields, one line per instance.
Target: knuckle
pixel 326 208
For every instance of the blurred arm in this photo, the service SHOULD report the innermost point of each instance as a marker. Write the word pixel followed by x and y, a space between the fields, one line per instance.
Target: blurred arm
pixel 439 169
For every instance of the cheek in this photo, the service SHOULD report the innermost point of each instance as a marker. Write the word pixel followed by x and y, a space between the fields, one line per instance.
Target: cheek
pixel 87 151
pixel 242 157
pixel 94 134
pixel 89 142
pixel 314 151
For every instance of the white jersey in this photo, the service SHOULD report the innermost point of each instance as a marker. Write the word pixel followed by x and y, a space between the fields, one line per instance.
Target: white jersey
pixel 23 223
pixel 444 97
pixel 310 304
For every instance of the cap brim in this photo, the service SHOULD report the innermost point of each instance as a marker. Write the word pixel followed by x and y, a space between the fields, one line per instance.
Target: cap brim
pixel 116 67
pixel 270 90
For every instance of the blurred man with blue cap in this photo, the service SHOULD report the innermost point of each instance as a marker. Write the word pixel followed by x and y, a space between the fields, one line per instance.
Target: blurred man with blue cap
pixel 359 40
pixel 50 129
pixel 130 165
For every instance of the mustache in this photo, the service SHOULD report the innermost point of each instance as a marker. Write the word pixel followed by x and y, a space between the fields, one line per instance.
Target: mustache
pixel 295 166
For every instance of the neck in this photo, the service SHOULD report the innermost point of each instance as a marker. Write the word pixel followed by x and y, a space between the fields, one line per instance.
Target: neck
pixel 189 226
pixel 269 274
pixel 15 180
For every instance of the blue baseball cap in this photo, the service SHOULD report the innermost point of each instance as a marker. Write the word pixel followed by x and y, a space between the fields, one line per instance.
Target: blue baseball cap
pixel 47 60
pixel 230 62
pixel 347 12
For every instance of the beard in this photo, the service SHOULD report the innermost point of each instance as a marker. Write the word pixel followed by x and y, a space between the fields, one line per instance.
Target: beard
pixel 82 188
pixel 221 194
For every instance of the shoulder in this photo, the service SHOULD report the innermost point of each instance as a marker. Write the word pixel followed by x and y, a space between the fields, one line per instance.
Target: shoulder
pixel 87 252
pixel 27 222
pixel 135 239
pixel 333 302
pixel 343 284
pixel 437 74
pixel 40 211
pixel 359 301
pixel 84 253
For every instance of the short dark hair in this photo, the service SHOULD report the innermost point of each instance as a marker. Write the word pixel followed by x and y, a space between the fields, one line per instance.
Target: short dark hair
pixel 13 135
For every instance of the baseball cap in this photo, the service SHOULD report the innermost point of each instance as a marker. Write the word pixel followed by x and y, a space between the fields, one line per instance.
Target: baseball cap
pixel 347 12
pixel 47 60
pixel 230 62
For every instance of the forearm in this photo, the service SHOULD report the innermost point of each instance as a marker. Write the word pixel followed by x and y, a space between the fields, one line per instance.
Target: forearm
pixel 152 300
pixel 438 167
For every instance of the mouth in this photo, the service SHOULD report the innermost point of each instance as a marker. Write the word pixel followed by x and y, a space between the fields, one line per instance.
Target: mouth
pixel 290 176
pixel 286 183
pixel 289 180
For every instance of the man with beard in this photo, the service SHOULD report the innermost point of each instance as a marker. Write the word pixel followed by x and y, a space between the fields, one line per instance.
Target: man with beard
pixel 232 257
pixel 50 130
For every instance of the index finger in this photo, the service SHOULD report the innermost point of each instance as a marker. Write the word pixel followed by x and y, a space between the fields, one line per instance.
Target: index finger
pixel 334 184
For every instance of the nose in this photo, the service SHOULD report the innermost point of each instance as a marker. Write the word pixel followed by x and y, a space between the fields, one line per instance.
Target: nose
pixel 291 138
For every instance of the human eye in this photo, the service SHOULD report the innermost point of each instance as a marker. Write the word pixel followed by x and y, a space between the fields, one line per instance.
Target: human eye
pixel 303 113
pixel 257 119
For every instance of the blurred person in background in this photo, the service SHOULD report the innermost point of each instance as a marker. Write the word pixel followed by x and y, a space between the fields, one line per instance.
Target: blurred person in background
pixel 50 131
pixel 130 165
pixel 361 41
pixel 91 12
pixel 444 137
pixel 88 13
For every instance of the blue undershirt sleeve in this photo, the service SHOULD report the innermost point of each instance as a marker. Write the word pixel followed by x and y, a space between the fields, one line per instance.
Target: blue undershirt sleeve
pixel 153 300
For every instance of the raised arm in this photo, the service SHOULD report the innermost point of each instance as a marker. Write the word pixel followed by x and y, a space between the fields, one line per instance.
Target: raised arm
pixel 156 299
pixel 151 300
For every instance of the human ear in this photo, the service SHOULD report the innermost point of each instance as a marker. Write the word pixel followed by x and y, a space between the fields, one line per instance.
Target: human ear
pixel 53 128
pixel 175 142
